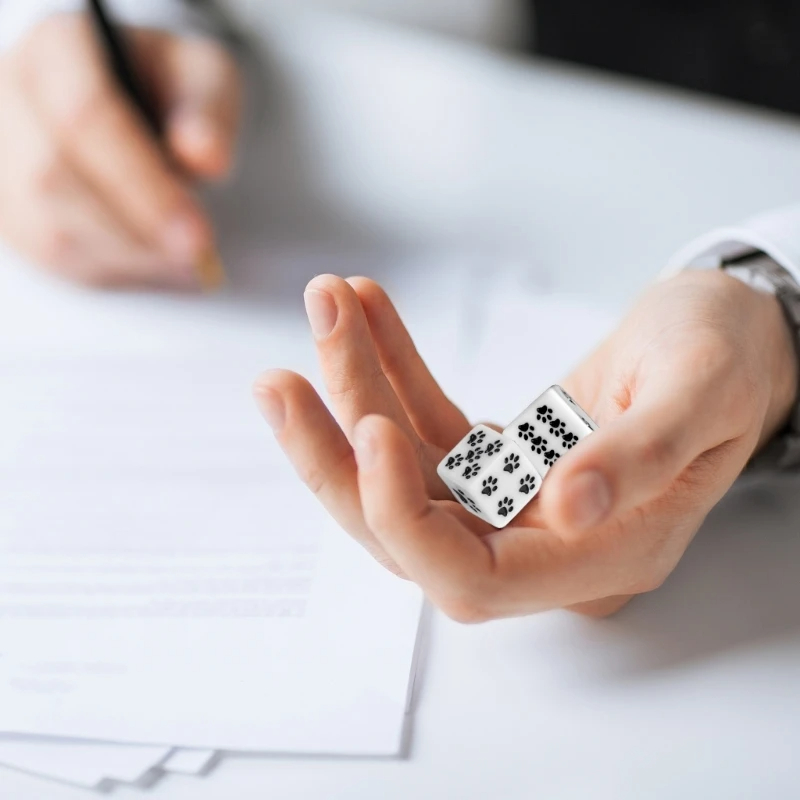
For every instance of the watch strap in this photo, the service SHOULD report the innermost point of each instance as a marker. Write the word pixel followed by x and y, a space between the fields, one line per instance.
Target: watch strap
pixel 763 273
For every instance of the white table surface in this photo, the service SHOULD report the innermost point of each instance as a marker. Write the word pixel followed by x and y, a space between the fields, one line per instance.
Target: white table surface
pixel 381 140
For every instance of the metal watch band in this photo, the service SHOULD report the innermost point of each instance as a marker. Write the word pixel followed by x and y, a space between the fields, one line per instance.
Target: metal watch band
pixel 758 270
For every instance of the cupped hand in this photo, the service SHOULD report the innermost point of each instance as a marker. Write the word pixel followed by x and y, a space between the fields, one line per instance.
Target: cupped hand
pixel 694 380
pixel 85 188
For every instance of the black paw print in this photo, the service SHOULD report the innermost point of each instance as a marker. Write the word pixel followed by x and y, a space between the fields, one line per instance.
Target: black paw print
pixel 505 507
pixel 466 500
pixel 544 414
pixel 569 440
pixel 550 457
pixel 471 471
pixel 557 428
pixel 476 438
pixel 489 486
pixel 454 461
pixel 526 431
pixel 474 455
pixel 493 447
pixel 511 463
pixel 539 445
pixel 527 484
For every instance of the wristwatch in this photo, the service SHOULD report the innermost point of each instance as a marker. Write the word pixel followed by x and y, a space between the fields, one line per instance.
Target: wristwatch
pixel 764 274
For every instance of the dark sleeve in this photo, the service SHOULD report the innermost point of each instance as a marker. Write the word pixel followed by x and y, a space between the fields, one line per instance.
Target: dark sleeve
pixel 743 49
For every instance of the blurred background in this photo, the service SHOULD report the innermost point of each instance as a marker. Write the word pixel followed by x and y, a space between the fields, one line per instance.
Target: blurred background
pixel 555 134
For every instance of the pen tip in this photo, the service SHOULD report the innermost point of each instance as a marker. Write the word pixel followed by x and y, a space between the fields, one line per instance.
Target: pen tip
pixel 210 271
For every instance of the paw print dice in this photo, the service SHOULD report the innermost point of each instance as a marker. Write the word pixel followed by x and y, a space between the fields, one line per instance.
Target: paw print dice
pixel 490 475
pixel 550 427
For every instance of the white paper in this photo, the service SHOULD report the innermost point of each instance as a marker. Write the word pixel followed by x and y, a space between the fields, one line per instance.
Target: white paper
pixel 91 764
pixel 263 327
pixel 166 579
pixel 83 764
pixel 189 762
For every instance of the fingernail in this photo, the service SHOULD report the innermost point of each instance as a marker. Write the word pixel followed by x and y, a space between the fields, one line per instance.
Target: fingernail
pixel 589 500
pixel 322 312
pixel 364 446
pixel 183 238
pixel 272 407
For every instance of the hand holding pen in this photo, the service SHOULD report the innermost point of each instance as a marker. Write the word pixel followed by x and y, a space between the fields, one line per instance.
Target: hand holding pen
pixel 96 177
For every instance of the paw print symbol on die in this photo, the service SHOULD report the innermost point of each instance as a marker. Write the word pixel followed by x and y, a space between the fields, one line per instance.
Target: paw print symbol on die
pixel 511 463
pixel 539 445
pixel 505 507
pixel 493 448
pixel 454 461
pixel 550 457
pixel 557 428
pixel 476 438
pixel 489 486
pixel 471 471
pixel 544 414
pixel 526 431
pixel 473 455
pixel 569 440
pixel 527 484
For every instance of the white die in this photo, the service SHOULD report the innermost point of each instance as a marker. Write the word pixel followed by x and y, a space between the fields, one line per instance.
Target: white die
pixel 490 476
pixel 551 426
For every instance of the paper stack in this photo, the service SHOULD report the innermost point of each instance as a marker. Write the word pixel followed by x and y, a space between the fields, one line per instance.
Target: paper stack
pixel 168 588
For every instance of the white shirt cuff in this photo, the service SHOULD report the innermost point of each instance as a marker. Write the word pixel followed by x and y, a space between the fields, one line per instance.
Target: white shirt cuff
pixel 776 233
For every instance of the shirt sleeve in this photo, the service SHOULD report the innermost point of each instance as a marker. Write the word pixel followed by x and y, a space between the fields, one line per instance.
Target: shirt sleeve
pixel 19 16
pixel 776 233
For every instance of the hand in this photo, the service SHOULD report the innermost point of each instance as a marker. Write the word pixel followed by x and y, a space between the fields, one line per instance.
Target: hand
pixel 700 373
pixel 85 189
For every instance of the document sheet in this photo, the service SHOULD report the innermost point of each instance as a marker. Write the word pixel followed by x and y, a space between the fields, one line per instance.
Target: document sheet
pixel 158 553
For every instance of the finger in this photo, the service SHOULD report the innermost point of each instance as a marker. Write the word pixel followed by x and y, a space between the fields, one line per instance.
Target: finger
pixel 107 255
pixel 434 416
pixel 319 452
pixel 107 141
pixel 675 416
pixel 200 86
pixel 352 370
pixel 431 546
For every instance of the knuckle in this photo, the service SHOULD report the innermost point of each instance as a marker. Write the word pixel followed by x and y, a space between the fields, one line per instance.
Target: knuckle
pixel 317 478
pixel 345 384
pixel 656 450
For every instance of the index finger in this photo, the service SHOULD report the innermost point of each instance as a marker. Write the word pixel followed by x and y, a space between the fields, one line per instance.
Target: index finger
pixel 108 142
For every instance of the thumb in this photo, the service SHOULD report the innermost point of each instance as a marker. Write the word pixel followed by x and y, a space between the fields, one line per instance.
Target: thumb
pixel 639 455
pixel 202 94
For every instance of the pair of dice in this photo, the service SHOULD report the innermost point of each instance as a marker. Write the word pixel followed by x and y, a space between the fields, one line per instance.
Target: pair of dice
pixel 495 475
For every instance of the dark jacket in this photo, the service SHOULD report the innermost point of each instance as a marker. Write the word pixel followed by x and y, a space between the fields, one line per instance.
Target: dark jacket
pixel 744 49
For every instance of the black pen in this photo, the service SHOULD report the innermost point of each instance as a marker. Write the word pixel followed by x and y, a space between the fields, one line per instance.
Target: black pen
pixel 209 267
